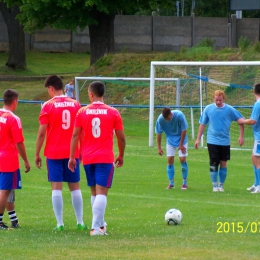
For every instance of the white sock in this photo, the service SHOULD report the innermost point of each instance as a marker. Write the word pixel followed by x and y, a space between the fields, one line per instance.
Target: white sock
pixel 98 211
pixel 57 203
pixel 77 203
pixel 92 199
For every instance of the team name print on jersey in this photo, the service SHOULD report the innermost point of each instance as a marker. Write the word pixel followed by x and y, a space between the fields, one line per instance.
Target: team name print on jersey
pixel 3 120
pixel 96 111
pixel 64 104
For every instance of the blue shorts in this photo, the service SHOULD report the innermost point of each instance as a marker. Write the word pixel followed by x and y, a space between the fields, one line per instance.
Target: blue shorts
pixel 100 174
pixel 58 171
pixel 10 180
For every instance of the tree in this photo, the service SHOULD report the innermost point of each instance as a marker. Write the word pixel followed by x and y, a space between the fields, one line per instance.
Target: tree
pixel 16 58
pixel 99 15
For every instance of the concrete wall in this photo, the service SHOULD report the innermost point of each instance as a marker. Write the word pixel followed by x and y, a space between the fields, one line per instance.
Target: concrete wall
pixel 144 33
pixel 248 27
pixel 132 33
pixel 170 33
pixel 215 28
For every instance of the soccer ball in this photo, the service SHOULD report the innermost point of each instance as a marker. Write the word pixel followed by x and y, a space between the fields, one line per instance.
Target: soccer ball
pixel 173 217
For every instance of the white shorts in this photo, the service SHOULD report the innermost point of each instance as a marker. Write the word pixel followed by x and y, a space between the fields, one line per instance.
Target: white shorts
pixel 256 149
pixel 170 150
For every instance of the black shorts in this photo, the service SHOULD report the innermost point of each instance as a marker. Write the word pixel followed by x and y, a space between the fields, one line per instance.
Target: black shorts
pixel 219 152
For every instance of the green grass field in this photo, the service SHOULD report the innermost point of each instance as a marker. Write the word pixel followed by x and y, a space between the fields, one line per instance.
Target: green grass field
pixel 212 222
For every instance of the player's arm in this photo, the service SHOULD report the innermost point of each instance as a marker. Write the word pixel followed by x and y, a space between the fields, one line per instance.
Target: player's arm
pixel 246 121
pixel 183 134
pixel 76 136
pixel 200 133
pixel 159 143
pixel 39 144
pixel 121 143
pixel 241 136
pixel 21 149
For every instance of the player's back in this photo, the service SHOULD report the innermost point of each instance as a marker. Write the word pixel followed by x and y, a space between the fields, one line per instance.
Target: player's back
pixel 59 114
pixel 98 122
pixel 10 134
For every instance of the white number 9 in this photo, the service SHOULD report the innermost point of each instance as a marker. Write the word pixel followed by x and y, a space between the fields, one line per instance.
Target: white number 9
pixel 65 119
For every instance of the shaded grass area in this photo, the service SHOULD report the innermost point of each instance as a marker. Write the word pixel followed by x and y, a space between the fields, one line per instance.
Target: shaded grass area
pixel 45 63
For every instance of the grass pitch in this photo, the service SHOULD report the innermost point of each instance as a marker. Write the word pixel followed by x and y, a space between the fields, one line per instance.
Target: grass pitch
pixel 215 225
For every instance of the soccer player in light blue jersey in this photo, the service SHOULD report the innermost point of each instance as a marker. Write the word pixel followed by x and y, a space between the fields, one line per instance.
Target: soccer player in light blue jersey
pixel 175 126
pixel 219 116
pixel 255 122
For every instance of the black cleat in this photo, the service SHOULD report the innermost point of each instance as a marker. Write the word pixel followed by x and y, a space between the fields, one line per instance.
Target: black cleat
pixel 3 226
pixel 15 224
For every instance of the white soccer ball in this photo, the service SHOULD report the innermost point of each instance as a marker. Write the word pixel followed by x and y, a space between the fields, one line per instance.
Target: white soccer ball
pixel 173 217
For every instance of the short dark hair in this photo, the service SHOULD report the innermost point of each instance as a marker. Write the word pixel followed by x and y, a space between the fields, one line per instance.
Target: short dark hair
pixel 9 96
pixel 98 88
pixel 54 81
pixel 257 88
pixel 166 112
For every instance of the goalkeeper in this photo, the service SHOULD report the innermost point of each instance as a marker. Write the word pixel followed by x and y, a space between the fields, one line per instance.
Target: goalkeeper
pixel 219 116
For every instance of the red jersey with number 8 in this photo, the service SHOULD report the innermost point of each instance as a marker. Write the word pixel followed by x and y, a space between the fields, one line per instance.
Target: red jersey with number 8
pixel 59 114
pixel 98 122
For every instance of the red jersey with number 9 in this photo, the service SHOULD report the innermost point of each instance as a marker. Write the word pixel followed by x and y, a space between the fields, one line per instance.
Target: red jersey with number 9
pixel 59 115
pixel 98 122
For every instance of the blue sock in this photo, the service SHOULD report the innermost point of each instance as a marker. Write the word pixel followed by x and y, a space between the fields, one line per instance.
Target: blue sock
pixel 256 177
pixel 170 173
pixel 222 175
pixel 184 170
pixel 214 178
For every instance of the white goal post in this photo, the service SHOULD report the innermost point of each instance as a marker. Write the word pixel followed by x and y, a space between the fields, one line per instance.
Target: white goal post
pixel 184 63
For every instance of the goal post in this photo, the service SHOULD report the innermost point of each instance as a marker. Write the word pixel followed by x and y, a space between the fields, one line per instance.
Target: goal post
pixel 240 81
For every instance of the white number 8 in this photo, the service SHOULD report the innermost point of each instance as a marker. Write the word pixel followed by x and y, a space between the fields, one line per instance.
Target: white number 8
pixel 65 119
pixel 96 131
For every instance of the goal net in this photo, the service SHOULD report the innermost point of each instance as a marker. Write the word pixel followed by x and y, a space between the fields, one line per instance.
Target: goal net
pixel 131 96
pixel 198 82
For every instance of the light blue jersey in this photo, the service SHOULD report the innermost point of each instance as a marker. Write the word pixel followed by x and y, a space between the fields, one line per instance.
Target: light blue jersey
pixel 172 128
pixel 219 119
pixel 69 90
pixel 255 115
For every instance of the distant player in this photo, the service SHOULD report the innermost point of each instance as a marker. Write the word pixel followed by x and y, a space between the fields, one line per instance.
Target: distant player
pixel 255 122
pixel 219 116
pixel 11 145
pixel 69 89
pixel 57 118
pixel 98 122
pixel 175 126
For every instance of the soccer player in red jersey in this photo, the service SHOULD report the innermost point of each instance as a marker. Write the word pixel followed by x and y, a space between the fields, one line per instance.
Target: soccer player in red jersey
pixel 98 122
pixel 11 145
pixel 57 118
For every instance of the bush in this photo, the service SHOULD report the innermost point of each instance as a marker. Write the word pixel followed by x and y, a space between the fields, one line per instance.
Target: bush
pixel 243 43
pixel 207 42
pixel 256 46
